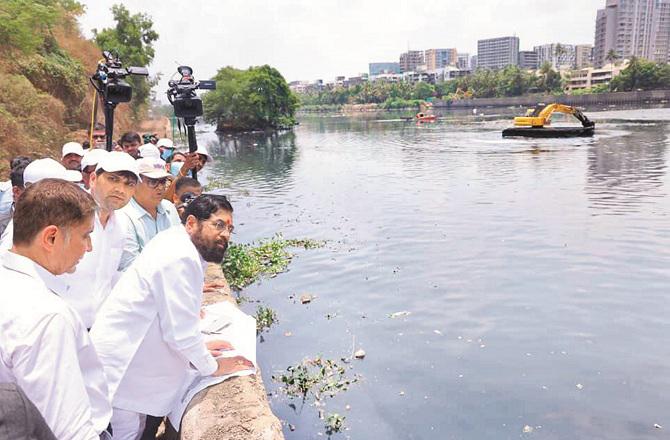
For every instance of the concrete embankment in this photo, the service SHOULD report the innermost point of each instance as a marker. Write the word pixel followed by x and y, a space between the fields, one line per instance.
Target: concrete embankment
pixel 593 99
pixel 236 409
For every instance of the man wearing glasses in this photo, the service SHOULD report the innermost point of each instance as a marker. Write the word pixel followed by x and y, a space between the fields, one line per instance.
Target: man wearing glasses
pixel 147 213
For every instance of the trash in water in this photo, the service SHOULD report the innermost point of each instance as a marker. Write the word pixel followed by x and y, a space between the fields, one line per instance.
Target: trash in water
pixel 399 314
pixel 527 429
pixel 306 298
pixel 360 354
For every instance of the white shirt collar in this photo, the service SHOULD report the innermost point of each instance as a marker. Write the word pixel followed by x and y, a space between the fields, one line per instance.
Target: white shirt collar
pixel 19 263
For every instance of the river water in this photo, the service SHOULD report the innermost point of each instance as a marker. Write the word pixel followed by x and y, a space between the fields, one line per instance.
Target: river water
pixel 535 273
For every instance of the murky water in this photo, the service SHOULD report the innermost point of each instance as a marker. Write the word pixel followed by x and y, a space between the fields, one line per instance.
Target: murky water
pixel 536 273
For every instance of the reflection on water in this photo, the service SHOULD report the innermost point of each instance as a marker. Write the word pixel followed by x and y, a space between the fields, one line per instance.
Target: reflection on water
pixel 627 171
pixel 535 272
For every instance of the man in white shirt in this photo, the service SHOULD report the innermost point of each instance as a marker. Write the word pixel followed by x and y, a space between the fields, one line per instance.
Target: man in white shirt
pixel 147 213
pixel 72 155
pixel 34 172
pixel 112 185
pixel 44 347
pixel 147 332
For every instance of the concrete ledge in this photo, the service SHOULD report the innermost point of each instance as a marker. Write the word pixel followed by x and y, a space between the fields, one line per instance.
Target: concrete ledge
pixel 236 409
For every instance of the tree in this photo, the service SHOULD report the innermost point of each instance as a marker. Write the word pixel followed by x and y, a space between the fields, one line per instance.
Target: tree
pixel 641 74
pixel 25 25
pixel 559 51
pixel 132 38
pixel 612 57
pixel 252 99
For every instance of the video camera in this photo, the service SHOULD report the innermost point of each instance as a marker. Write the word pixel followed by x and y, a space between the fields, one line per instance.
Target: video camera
pixel 108 79
pixel 181 94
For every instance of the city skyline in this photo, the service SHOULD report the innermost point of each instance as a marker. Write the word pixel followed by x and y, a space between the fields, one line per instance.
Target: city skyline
pixel 307 43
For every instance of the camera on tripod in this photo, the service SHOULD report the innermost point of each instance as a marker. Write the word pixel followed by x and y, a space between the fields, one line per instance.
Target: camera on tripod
pixel 181 94
pixel 108 79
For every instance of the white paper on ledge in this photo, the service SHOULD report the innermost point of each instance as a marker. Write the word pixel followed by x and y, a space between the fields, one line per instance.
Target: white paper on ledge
pixel 228 323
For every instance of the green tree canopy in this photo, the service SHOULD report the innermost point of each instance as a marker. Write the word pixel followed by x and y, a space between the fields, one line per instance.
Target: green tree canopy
pixel 256 98
pixel 132 38
pixel 26 24
pixel 641 74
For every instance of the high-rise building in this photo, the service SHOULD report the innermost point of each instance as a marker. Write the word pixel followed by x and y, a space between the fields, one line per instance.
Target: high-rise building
pixel 474 64
pixel 381 68
pixel 629 28
pixel 528 60
pixel 496 53
pixel 583 56
pixel 410 60
pixel 559 55
pixel 463 62
pixel 439 58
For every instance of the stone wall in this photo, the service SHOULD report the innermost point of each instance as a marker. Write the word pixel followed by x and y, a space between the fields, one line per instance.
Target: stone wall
pixel 236 409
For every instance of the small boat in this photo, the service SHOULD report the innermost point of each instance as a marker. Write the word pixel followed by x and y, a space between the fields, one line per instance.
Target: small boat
pixel 422 117
pixel 534 124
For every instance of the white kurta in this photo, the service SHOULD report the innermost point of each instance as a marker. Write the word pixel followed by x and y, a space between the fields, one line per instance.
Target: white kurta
pixel 147 332
pixel 45 349
pixel 91 283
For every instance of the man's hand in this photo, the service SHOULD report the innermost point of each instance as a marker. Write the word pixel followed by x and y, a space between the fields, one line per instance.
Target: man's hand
pixel 191 161
pixel 232 365
pixel 216 347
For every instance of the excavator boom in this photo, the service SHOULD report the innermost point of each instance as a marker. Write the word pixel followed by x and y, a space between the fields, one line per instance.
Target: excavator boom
pixel 542 118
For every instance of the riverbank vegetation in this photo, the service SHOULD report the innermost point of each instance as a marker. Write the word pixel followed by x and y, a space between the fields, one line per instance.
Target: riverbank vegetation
pixel 254 99
pixel 45 64
pixel 511 81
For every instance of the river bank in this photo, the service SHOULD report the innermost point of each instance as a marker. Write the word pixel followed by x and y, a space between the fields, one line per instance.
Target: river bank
pixel 629 99
pixel 236 409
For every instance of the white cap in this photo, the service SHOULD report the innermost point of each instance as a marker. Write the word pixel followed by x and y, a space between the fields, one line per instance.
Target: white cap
pixel 48 169
pixel 73 148
pixel 115 161
pixel 150 150
pixel 165 143
pixel 202 150
pixel 152 168
pixel 92 157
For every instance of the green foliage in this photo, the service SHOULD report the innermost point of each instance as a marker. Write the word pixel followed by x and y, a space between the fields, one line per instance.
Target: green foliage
pixel 57 73
pixel 265 317
pixel 25 24
pixel 334 423
pixel 246 263
pixel 132 38
pixel 483 83
pixel 641 74
pixel 316 377
pixel 254 99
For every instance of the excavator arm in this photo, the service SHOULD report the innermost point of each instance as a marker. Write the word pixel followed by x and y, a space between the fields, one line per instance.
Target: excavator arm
pixel 540 118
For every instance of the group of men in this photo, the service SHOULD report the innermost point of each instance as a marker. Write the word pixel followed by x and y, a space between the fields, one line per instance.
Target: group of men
pixel 102 280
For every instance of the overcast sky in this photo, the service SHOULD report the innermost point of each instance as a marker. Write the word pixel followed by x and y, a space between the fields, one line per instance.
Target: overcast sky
pixel 325 38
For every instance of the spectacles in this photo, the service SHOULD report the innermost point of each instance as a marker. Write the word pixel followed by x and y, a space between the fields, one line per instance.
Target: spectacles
pixel 155 183
pixel 221 226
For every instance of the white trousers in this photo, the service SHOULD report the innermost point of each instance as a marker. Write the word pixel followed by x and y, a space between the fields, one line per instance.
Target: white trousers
pixel 127 425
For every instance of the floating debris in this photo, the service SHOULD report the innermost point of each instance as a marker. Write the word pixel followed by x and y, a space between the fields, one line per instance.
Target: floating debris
pixel 360 354
pixel 402 393
pixel 287 334
pixel 657 426
pixel 399 314
pixel 291 427
pixel 306 298
pixel 579 386
pixel 527 429
pixel 437 332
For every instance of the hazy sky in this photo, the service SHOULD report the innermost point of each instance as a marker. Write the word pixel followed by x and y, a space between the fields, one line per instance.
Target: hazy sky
pixel 324 38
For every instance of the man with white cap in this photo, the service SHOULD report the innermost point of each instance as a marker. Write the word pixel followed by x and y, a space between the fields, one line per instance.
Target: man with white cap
pixel 34 172
pixel 147 213
pixel 112 185
pixel 88 164
pixel 72 155
pixel 166 147
pixel 150 150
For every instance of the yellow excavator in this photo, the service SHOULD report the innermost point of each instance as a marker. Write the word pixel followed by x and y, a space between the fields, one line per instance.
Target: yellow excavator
pixel 535 123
